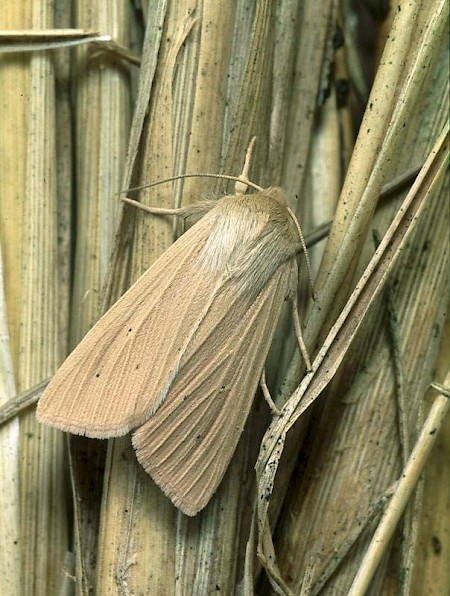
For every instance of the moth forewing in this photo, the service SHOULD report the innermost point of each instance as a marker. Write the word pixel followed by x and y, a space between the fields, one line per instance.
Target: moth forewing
pixel 187 444
pixel 178 358
pixel 116 376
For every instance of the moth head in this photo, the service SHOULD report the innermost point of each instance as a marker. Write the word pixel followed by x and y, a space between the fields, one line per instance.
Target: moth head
pixel 276 194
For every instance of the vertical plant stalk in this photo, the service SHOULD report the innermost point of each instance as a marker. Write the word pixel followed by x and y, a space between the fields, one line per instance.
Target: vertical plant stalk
pixel 102 128
pixel 43 518
pixel 10 560
pixel 14 84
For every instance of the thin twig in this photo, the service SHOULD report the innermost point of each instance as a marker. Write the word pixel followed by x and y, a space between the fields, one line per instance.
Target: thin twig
pixel 30 40
pixel 21 402
pixel 406 485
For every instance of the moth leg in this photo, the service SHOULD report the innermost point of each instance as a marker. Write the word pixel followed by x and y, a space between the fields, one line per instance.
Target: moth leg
pixel 266 393
pixel 299 334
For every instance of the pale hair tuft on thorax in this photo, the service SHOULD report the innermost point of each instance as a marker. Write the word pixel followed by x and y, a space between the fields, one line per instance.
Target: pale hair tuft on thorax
pixel 251 238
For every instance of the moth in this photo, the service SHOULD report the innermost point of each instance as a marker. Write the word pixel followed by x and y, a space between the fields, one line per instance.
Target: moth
pixel 178 358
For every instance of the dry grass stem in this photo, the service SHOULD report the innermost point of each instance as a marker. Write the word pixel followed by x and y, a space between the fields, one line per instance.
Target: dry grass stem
pixel 405 487
pixel 10 561
pixel 103 114
pixel 30 40
pixel 17 404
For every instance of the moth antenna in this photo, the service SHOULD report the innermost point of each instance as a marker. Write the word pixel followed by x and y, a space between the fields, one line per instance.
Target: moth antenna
pixel 299 333
pixel 241 186
pixel 302 240
pixel 222 176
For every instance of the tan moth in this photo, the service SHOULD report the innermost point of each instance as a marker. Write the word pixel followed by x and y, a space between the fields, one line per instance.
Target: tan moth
pixel 178 358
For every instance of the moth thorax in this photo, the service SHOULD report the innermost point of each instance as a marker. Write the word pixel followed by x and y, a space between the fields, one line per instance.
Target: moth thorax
pixel 275 194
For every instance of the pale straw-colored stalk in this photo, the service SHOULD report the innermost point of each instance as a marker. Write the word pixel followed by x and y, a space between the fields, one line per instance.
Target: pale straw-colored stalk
pixel 29 234
pixel 10 561
pixel 102 120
